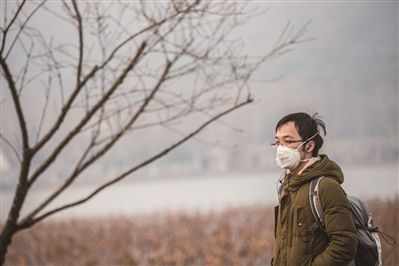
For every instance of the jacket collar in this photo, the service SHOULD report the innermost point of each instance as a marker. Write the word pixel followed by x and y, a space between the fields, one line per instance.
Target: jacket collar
pixel 314 168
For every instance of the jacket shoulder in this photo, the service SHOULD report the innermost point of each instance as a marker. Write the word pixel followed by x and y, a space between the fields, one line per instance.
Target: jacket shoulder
pixel 331 193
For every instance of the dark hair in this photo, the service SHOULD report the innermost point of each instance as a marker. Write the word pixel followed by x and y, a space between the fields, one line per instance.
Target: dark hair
pixel 307 126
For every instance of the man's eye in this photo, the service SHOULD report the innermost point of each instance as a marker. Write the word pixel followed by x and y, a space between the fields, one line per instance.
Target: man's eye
pixel 288 142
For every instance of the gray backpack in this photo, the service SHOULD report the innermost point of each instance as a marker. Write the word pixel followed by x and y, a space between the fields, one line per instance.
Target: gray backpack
pixel 369 245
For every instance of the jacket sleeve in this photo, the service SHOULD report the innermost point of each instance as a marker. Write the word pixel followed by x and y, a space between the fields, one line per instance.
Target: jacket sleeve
pixel 339 225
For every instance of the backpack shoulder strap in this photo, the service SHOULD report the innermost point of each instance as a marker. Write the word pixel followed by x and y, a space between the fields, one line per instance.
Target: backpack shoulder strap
pixel 315 205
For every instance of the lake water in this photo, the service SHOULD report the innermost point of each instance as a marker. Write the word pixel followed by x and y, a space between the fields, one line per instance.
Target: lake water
pixel 200 193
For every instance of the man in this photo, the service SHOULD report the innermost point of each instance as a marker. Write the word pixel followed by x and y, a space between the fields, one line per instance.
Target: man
pixel 298 141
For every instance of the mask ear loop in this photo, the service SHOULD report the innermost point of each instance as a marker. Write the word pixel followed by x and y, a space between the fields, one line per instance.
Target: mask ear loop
pixel 306 141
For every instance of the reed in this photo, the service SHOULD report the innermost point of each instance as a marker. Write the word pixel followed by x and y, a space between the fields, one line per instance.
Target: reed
pixel 237 236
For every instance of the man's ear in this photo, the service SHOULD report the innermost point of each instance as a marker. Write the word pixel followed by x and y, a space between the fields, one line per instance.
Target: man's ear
pixel 310 146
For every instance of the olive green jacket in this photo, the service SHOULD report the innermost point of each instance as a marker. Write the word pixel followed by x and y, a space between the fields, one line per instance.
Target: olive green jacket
pixel 295 244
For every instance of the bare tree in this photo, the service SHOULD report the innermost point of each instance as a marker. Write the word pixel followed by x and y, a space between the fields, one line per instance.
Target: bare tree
pixel 109 69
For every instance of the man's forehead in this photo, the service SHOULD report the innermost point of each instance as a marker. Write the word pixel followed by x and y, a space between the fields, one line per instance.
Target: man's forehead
pixel 287 130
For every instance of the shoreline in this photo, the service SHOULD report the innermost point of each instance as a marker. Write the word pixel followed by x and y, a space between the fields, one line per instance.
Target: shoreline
pixel 194 176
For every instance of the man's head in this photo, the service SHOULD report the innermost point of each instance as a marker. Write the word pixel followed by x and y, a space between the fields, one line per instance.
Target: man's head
pixel 306 127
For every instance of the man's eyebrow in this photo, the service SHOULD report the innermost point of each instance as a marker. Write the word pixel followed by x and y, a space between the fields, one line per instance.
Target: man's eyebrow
pixel 286 136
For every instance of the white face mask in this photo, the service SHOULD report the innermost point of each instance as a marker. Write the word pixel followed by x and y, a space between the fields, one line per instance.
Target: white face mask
pixel 289 158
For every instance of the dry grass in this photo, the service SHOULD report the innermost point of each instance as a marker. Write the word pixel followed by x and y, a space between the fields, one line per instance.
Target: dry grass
pixel 234 237
pixel 242 236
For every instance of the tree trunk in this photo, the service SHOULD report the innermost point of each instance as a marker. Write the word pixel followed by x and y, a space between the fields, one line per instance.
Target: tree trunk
pixel 11 226
pixel 5 240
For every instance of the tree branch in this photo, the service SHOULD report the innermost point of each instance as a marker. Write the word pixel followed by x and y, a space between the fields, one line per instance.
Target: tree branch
pixel 9 26
pixel 80 30
pixel 11 146
pixel 78 170
pixel 80 84
pixel 21 28
pixel 29 220
pixel 17 104
pixel 87 117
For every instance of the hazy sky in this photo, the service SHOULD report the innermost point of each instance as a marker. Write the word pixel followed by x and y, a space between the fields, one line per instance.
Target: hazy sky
pixel 354 54
pixel 355 50
pixel 348 73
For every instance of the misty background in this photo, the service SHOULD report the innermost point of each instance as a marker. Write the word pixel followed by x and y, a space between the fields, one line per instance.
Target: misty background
pixel 347 72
